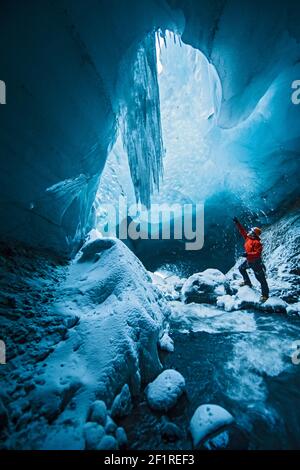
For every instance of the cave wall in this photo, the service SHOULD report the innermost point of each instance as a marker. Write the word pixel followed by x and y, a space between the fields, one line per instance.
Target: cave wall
pixel 62 65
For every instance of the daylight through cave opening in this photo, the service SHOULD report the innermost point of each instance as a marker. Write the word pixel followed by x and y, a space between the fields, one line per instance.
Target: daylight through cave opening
pixel 171 114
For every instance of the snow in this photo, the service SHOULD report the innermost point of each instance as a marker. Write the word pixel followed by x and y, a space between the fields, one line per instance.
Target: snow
pixel 115 319
pixel 207 420
pixel 163 393
pixel 93 434
pixel 247 297
pixel 210 319
pixel 168 283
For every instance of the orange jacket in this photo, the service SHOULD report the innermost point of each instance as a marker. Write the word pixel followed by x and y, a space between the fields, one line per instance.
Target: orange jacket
pixel 253 246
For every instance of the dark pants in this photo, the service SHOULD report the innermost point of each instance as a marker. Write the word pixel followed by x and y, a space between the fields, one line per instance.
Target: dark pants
pixel 259 271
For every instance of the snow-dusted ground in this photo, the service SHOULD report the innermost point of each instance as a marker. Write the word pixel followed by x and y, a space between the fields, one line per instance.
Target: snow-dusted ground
pixel 99 332
pixel 82 340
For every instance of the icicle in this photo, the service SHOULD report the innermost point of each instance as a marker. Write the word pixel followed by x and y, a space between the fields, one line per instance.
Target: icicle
pixel 141 124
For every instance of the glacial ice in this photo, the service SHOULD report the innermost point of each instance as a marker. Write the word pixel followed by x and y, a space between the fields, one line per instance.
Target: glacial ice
pixel 66 108
pixel 140 122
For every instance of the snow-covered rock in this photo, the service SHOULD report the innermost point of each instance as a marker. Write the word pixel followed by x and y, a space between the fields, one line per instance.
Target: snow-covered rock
pixel 274 304
pixel 163 393
pixel 246 298
pixel 93 433
pixel 204 287
pixel 122 404
pixel 99 412
pixel 207 420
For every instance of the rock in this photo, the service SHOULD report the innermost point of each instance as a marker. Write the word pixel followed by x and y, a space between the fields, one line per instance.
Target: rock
pixel 207 420
pixel 170 431
pixel 166 343
pixel 108 443
pixel 93 433
pixel 163 393
pixel 99 412
pixel 110 425
pixel 204 287
pixel 122 404
pixel 121 438
pixel 220 441
pixel 3 416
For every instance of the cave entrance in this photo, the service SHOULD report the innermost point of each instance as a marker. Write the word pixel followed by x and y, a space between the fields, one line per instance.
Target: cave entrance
pixel 190 96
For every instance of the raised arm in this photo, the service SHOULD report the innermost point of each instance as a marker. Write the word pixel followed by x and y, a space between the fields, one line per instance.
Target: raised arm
pixel 240 228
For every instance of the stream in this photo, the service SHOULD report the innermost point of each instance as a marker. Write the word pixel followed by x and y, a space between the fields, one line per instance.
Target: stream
pixel 239 360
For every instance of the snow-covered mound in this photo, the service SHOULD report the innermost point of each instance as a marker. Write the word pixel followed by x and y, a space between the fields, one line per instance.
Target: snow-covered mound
pixel 113 342
pixel 208 419
pixel 204 287
pixel 247 297
pixel 163 393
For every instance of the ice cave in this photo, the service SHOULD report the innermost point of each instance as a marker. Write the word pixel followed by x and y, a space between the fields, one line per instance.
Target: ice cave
pixel 115 115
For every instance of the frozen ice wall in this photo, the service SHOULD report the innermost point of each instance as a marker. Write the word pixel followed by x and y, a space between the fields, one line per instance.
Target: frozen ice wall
pixel 64 69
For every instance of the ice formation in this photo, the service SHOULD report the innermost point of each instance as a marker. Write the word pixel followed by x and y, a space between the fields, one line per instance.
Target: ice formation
pixel 82 338
pixel 140 122
pixel 69 124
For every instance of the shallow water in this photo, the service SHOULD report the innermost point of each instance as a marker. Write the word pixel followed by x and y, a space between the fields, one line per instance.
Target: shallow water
pixel 239 360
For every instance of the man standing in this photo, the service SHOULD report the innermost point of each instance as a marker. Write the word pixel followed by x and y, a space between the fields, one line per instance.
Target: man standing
pixel 253 249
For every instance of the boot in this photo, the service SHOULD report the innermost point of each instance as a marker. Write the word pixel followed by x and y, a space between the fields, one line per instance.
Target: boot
pixel 263 298
pixel 243 283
